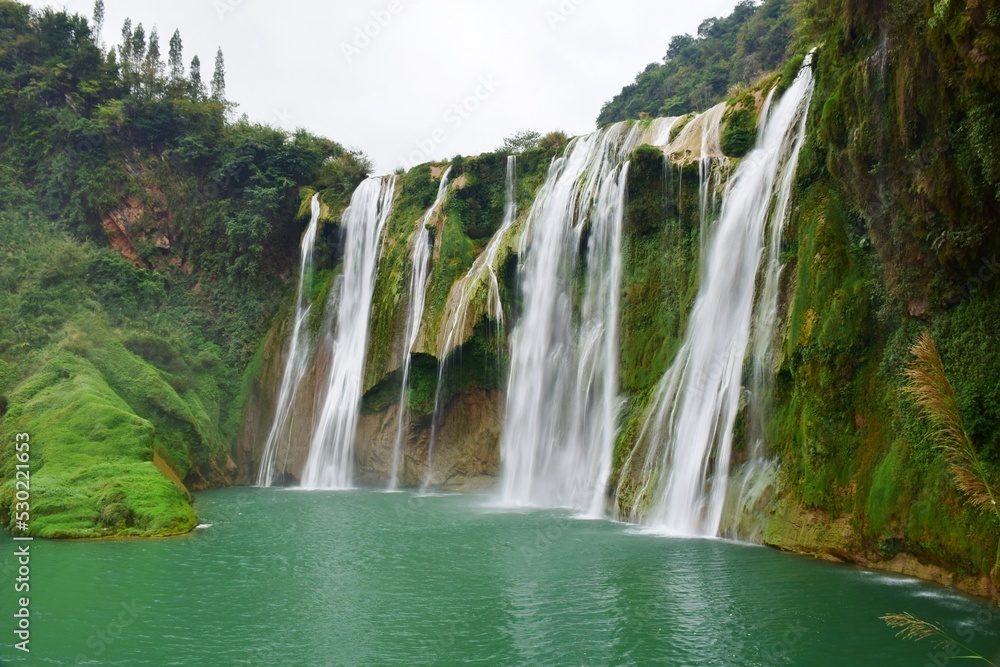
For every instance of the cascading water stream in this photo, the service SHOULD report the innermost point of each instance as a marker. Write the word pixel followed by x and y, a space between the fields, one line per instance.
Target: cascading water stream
pixel 562 397
pixel 711 163
pixel 297 354
pixel 331 453
pixel 483 269
pixel 420 259
pixel 689 431
pixel 703 137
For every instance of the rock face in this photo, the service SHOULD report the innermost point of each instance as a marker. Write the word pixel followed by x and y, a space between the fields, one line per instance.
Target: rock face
pixel 466 455
pixel 793 528
pixel 258 412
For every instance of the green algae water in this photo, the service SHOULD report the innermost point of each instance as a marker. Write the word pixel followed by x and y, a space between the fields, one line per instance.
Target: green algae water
pixel 298 578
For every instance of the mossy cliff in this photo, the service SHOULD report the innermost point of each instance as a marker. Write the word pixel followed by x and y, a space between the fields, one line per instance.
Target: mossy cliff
pixel 660 250
pixel 894 232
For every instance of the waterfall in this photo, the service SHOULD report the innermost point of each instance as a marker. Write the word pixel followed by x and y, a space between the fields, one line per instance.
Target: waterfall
pixel 331 452
pixel 483 271
pixel 420 260
pixel 562 396
pixel 296 355
pixel 689 431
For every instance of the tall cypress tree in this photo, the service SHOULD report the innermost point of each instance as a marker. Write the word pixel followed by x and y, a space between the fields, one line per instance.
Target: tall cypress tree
pixel 219 78
pixel 197 87
pixel 152 65
pixel 176 58
pixel 98 21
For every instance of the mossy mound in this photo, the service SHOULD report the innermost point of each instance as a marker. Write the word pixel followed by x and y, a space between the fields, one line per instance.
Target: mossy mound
pixel 92 470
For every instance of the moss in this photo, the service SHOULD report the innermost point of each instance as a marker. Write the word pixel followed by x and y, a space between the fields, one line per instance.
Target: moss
pixel 646 203
pixel 660 258
pixel 907 116
pixel 416 193
pixel 476 365
pixel 92 472
pixel 675 131
pixel 740 130
pixel 850 442
pixel 660 248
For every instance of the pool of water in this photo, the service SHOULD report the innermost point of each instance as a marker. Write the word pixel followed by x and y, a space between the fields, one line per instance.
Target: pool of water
pixel 366 578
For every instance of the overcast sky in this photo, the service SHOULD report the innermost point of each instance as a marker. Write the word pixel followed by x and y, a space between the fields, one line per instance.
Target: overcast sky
pixel 509 65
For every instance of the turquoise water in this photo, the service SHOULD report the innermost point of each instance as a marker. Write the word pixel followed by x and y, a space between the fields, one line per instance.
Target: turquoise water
pixel 368 578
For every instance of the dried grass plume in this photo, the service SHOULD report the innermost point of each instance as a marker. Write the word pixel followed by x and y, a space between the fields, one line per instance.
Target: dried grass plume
pixel 933 394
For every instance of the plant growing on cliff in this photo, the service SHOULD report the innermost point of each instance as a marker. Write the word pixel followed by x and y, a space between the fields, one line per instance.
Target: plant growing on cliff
pixel 933 394
pixel 929 388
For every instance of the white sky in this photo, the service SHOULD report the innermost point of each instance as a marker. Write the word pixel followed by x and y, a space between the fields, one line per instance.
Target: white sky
pixel 552 63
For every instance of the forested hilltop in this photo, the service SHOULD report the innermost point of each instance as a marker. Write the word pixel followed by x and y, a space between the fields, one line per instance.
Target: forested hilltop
pixel 699 71
pixel 147 240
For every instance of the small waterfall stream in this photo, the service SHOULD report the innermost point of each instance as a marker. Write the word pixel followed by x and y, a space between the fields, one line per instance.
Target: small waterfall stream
pixel 296 356
pixel 689 431
pixel 482 272
pixel 420 260
pixel 481 275
pixel 330 463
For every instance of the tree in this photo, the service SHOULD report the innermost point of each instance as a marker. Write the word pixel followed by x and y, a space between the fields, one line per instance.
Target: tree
pixel 98 21
pixel 219 77
pixel 197 87
pixel 152 66
pixel 138 47
pixel 125 50
pixel 176 58
pixel 522 141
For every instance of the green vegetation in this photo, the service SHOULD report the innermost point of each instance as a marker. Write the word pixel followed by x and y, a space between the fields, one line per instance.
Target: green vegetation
pixel 909 124
pixel 911 627
pixel 660 256
pixel 93 456
pixel 848 443
pixel 932 392
pixel 146 343
pixel 660 250
pixel 698 71
pixel 891 236
pixel 740 130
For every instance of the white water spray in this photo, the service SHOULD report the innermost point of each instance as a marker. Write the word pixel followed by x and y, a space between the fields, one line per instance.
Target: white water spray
pixel 331 453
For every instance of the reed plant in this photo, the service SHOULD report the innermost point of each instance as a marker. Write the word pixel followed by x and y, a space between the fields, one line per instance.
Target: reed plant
pixel 934 396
